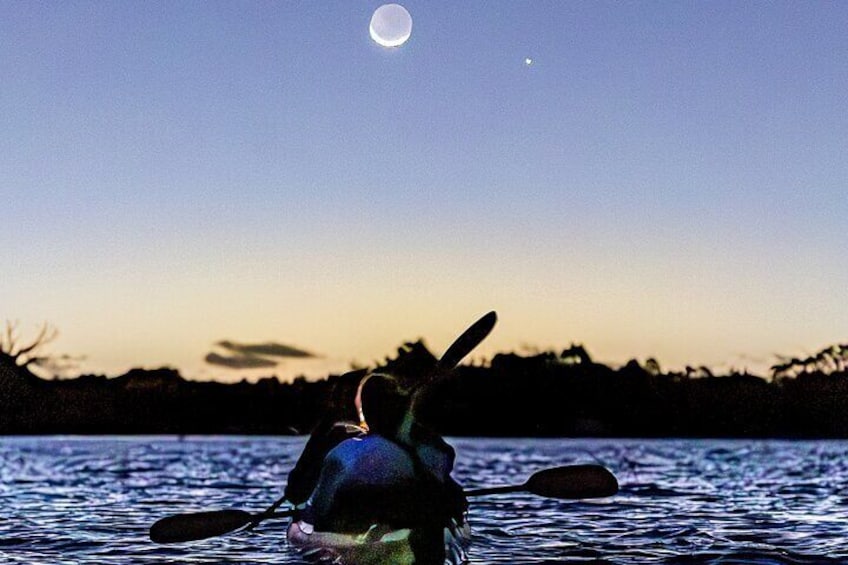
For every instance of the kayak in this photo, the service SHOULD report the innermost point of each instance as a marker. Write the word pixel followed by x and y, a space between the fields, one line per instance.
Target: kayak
pixel 374 504
pixel 378 546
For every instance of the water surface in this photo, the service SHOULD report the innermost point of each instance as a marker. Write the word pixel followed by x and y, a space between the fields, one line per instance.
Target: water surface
pixel 92 500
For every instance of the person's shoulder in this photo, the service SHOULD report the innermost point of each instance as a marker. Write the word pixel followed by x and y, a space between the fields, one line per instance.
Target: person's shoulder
pixel 371 459
pixel 365 443
pixel 370 448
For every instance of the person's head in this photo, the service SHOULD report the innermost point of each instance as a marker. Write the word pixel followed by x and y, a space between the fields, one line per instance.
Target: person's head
pixel 343 390
pixel 382 403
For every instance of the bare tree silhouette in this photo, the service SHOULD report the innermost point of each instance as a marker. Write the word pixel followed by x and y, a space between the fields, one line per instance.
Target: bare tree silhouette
pixel 19 357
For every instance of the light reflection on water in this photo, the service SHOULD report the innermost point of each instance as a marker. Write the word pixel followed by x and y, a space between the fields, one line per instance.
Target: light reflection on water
pixel 92 500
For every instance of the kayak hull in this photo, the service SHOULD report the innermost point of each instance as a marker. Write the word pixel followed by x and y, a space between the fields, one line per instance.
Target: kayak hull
pixel 379 545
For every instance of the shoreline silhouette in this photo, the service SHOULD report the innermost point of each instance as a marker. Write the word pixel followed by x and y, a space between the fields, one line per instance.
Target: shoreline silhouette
pixel 548 394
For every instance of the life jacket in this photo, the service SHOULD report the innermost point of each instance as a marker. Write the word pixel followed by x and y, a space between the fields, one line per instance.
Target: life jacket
pixel 373 480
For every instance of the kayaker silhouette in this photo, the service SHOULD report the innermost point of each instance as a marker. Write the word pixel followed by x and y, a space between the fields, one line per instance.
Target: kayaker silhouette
pixel 379 478
pixel 391 474
pixel 343 418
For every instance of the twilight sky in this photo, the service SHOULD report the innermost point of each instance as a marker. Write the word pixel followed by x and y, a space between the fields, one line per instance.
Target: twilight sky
pixel 665 179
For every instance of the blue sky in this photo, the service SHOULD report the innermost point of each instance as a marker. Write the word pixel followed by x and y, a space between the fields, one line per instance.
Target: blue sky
pixel 665 179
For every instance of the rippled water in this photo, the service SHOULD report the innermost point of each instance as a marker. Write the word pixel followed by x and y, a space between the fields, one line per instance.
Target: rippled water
pixel 92 500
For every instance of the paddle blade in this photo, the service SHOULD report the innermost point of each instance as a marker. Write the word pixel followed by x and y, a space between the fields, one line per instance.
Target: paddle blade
pixel 199 525
pixel 466 342
pixel 573 482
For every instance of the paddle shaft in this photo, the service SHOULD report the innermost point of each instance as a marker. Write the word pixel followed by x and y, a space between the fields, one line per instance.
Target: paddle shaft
pixel 495 490
pixel 202 525
pixel 268 511
pixel 566 483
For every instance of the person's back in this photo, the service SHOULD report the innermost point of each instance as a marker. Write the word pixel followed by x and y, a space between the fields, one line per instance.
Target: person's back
pixel 365 481
pixel 389 414
pixel 375 485
pixel 397 476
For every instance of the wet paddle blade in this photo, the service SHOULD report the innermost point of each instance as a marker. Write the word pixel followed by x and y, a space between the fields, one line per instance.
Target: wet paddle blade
pixel 573 482
pixel 199 525
pixel 466 342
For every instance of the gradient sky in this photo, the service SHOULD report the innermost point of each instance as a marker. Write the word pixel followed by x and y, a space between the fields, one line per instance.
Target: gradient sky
pixel 666 179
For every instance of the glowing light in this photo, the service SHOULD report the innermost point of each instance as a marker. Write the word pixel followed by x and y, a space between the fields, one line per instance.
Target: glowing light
pixel 391 25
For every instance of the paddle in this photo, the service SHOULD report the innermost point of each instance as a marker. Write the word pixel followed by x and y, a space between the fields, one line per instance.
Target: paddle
pixel 201 525
pixel 461 346
pixel 465 343
pixel 571 482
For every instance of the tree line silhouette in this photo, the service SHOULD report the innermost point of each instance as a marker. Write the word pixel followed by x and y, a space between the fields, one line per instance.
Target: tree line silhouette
pixel 557 394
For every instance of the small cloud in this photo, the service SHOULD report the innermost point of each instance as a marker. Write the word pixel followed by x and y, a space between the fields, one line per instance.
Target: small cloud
pixel 239 361
pixel 269 349
pixel 254 355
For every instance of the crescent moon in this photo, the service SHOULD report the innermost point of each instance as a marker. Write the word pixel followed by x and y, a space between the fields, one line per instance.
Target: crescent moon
pixel 391 25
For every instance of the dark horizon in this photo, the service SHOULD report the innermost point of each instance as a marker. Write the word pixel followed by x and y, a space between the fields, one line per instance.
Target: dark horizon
pixel 547 394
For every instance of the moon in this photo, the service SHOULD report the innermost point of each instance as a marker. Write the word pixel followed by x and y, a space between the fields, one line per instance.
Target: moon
pixel 391 25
